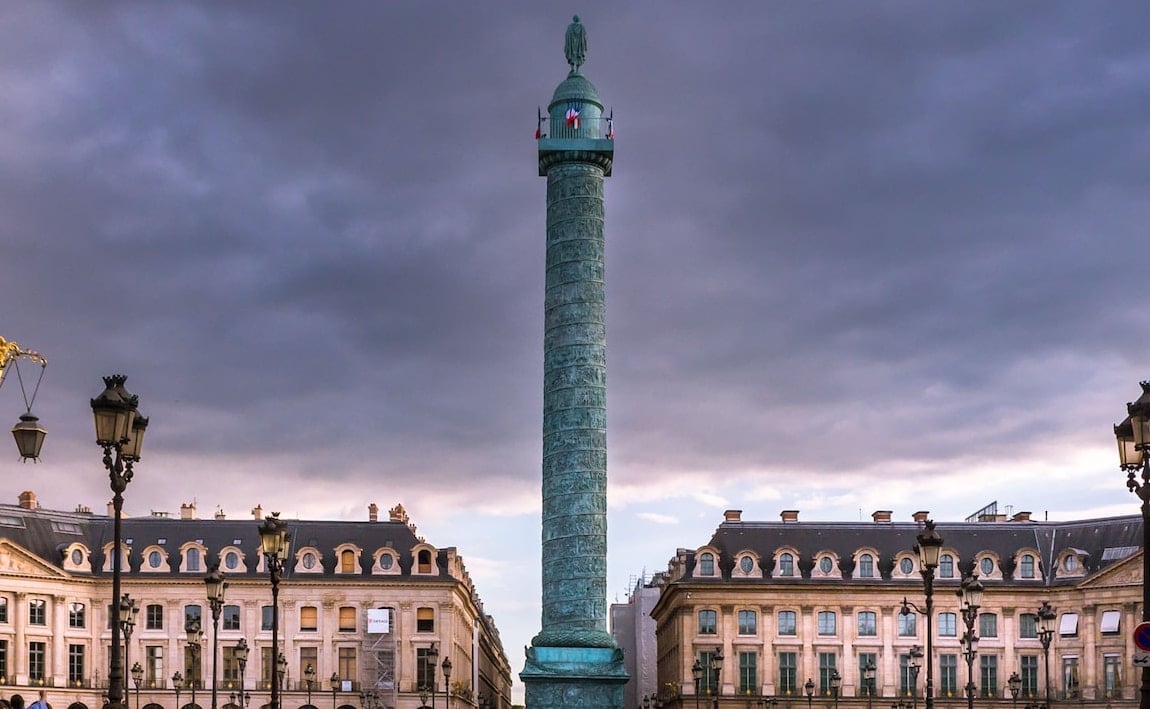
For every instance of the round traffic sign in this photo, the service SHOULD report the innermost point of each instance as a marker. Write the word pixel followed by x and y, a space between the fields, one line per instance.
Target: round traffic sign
pixel 1142 635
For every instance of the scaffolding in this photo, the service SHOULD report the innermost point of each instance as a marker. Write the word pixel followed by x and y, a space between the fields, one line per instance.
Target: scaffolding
pixel 379 670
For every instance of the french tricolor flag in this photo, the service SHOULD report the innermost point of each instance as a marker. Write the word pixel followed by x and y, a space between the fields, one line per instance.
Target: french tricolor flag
pixel 573 116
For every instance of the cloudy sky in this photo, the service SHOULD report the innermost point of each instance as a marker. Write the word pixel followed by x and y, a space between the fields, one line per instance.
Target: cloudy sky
pixel 860 256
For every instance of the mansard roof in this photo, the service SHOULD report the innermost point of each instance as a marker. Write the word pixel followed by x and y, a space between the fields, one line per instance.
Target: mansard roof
pixel 1105 541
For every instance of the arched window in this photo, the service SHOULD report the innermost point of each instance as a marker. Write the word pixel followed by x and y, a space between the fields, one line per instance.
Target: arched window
pixel 347 562
pixel 193 560
pixel 424 561
pixel 707 564
pixel 787 564
pixel 946 566
pixel 1026 566
pixel 866 566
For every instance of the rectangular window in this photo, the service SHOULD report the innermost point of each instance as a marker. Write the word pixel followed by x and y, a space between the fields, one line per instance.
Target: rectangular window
pixel 906 678
pixel 347 668
pixel 309 656
pixel 1112 676
pixel 947 674
pixel 193 617
pixel 708 622
pixel 75 665
pixel 230 677
pixel 267 665
pixel 708 682
pixel 4 659
pixel 37 612
pixel 308 619
pixel 347 619
pixel 1028 625
pixel 788 673
pixel 947 625
pixel 748 622
pixel 424 668
pixel 827 625
pixel 193 676
pixel 37 659
pixel 154 617
pixel 76 615
pixel 3 610
pixel 1070 677
pixel 230 619
pixel 748 674
pixel 988 625
pixel 1068 625
pixel 154 667
pixel 868 624
pixel 907 625
pixel 988 675
pixel 1110 621
pixel 826 671
pixel 425 620
pixel 787 624
pixel 1028 666
pixel 867 659
pixel 266 617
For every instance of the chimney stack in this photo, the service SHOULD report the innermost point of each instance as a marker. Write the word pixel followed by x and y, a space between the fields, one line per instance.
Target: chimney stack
pixel 882 516
pixel 188 510
pixel 28 500
pixel 373 512
pixel 1020 517
pixel 258 513
pixel 921 516
pixel 220 514
pixel 790 515
pixel 733 516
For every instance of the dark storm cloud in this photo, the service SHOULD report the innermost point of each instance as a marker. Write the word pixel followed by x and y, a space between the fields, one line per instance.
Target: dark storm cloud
pixel 848 219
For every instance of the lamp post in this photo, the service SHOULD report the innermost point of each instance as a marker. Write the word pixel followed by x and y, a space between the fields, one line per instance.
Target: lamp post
pixel 195 648
pixel 432 661
pixel 868 677
pixel 177 685
pixel 129 609
pixel 697 673
pixel 1133 436
pixel 369 699
pixel 28 433
pixel 241 654
pixel 281 670
pixel 1015 686
pixel 1046 616
pixel 137 677
pixel 446 667
pixel 334 681
pixel 809 688
pixel 970 599
pixel 717 673
pixel 836 684
pixel 915 665
pixel 309 680
pixel 423 695
pixel 120 432
pixel 929 549
pixel 216 585
pixel 274 540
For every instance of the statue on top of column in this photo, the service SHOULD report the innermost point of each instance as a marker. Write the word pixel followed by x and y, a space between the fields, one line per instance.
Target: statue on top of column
pixel 575 45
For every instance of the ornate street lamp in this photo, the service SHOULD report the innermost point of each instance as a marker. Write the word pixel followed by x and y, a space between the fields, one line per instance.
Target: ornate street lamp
pixel 28 433
pixel 177 685
pixel 216 585
pixel 423 696
pixel 432 661
pixel 697 673
pixel 1015 686
pixel 334 681
pixel 120 432
pixel 970 599
pixel 241 654
pixel 195 650
pixel 274 541
pixel 1046 617
pixel 309 680
pixel 137 677
pixel 369 699
pixel 1133 436
pixel 281 670
pixel 836 684
pixel 929 549
pixel 128 611
pixel 446 667
pixel 915 653
pixel 868 677
pixel 809 688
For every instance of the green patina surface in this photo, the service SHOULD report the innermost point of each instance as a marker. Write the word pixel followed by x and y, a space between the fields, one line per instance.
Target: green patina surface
pixel 573 661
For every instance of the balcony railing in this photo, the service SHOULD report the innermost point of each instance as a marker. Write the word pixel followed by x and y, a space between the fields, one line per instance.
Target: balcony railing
pixel 595 128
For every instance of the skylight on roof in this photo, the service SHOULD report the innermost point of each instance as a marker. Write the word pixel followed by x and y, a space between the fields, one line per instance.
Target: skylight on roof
pixel 1113 553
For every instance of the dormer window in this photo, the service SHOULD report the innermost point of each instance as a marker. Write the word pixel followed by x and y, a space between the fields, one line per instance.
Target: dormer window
pixel 825 564
pixel 986 566
pixel 386 561
pixel 423 560
pixel 308 561
pixel 746 564
pixel 786 564
pixel 706 564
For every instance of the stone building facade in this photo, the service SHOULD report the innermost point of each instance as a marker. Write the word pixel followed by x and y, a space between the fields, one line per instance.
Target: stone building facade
pixel 786 602
pixel 363 603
